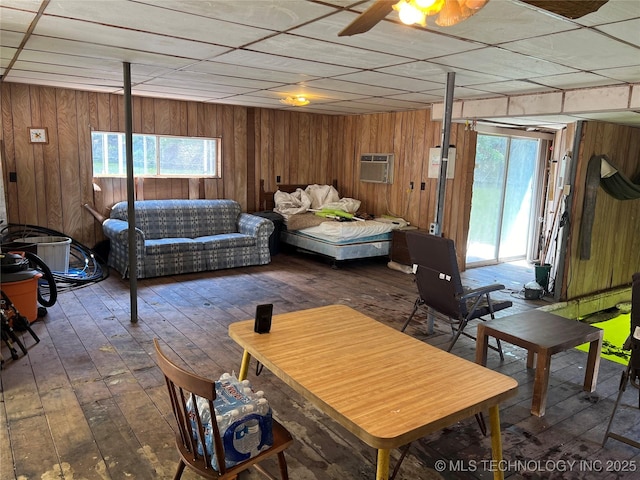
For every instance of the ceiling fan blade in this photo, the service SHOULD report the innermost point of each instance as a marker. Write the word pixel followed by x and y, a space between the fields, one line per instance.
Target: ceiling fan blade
pixel 369 18
pixel 568 8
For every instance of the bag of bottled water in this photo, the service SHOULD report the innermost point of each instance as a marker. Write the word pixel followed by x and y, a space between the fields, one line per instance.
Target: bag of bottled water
pixel 244 421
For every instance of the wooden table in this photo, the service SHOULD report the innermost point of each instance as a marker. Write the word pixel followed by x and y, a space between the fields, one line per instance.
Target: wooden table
pixel 544 334
pixel 385 387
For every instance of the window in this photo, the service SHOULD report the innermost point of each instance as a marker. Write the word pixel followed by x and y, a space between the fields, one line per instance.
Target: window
pixel 156 155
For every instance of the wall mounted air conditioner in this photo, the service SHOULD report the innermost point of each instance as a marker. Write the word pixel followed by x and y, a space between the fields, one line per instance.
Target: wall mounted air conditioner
pixel 376 167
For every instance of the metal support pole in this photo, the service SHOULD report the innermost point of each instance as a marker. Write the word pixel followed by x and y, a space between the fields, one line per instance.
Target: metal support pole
pixel 436 226
pixel 131 213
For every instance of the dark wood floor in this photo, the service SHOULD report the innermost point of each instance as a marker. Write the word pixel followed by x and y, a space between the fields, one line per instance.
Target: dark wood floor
pixel 88 401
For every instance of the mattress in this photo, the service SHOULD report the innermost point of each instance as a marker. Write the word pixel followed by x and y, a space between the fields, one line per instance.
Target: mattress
pixel 345 249
pixel 344 232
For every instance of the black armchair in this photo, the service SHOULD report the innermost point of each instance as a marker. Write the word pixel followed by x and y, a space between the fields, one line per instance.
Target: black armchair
pixel 440 287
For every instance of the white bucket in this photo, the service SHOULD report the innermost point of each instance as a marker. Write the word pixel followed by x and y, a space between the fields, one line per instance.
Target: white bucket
pixel 54 251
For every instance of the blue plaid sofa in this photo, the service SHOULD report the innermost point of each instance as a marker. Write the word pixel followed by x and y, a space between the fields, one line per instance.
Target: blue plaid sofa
pixel 182 236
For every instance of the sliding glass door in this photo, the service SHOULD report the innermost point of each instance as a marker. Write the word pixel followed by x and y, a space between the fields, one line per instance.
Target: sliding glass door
pixel 503 196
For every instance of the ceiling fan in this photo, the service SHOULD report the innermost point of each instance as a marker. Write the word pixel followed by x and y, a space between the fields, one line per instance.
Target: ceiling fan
pixel 450 12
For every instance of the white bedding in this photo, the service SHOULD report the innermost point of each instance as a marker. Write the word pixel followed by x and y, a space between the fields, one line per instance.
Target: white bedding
pixel 314 197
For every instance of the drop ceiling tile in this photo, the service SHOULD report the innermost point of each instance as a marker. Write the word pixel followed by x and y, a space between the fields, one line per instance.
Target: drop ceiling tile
pixel 253 73
pixel 357 5
pixel 575 80
pixel 89 72
pixel 28 5
pixel 272 15
pixel 4 63
pixel 347 108
pixel 156 91
pixel 63 83
pixel 627 31
pixel 436 73
pixel 362 107
pixel 624 74
pixel 390 81
pixel 392 103
pixel 37 57
pixel 387 37
pixel 508 64
pixel 93 34
pixel 351 87
pixel 161 21
pixel 10 40
pixel 282 64
pixel 425 98
pixel 580 49
pixel 319 51
pixel 197 87
pixel 195 78
pixel 12 20
pixel 512 86
pixel 189 36
pixel 462 93
pixel 251 101
pixel 80 49
pixel 58 79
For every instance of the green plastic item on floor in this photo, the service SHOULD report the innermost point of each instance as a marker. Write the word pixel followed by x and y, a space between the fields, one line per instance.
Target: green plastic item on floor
pixel 616 331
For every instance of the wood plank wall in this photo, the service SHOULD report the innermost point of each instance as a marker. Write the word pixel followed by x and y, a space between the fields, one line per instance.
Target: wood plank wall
pixel 615 242
pixel 55 180
pixel 409 136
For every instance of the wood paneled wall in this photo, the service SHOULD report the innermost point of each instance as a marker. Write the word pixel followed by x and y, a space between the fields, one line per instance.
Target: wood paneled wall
pixel 409 136
pixel 615 244
pixel 55 180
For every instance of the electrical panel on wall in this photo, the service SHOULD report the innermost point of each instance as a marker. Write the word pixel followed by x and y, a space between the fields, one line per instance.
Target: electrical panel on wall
pixel 376 167
pixel 434 162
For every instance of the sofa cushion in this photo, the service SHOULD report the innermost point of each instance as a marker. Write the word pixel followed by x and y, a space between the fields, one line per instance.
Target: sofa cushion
pixel 163 246
pixel 227 240
pixel 182 218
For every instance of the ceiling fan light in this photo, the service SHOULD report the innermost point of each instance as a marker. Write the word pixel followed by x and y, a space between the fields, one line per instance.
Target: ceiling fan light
pixel 297 101
pixel 475 4
pixel 452 13
pixel 409 13
pixel 430 7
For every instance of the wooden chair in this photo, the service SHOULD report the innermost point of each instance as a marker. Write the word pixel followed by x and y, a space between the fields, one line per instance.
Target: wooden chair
pixel 184 386
pixel 440 287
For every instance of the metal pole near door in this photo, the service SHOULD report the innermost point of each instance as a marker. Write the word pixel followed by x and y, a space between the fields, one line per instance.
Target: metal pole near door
pixel 436 227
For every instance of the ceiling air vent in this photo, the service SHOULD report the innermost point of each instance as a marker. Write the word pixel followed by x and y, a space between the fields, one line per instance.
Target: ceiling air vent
pixel 376 167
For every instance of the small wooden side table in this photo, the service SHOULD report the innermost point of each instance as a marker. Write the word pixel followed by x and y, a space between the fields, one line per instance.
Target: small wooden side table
pixel 543 334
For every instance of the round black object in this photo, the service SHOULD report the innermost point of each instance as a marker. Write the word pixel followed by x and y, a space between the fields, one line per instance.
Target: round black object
pixel 13 262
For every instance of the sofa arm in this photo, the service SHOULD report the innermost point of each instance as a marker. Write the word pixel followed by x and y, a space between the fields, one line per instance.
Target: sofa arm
pixel 255 226
pixel 118 232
